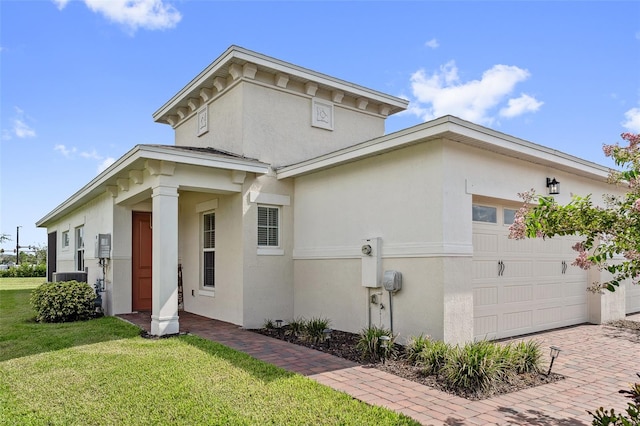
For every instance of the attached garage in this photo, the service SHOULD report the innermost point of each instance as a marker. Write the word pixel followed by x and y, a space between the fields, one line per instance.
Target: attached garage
pixel 522 286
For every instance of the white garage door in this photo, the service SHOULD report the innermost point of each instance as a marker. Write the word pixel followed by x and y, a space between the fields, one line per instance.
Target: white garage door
pixel 522 286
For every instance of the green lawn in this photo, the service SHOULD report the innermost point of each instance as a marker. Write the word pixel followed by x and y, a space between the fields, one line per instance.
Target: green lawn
pixel 100 372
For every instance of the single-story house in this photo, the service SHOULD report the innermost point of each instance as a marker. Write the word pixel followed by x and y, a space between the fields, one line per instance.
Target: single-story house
pixel 283 198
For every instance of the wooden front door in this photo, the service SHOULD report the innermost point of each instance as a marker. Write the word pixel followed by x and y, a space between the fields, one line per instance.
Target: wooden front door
pixel 141 262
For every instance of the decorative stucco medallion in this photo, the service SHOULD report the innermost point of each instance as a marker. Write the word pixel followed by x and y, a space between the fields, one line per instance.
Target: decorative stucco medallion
pixel 203 120
pixel 322 114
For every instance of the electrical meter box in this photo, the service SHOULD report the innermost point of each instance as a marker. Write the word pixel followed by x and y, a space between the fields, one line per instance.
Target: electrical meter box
pixel 371 262
pixel 103 246
pixel 392 281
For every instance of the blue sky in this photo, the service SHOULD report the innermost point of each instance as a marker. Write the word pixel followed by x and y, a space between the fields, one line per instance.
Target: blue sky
pixel 80 79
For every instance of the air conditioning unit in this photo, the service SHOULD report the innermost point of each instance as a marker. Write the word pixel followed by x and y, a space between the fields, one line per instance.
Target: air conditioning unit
pixel 70 276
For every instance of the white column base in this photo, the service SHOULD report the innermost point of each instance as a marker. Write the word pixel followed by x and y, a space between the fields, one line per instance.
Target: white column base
pixel 161 326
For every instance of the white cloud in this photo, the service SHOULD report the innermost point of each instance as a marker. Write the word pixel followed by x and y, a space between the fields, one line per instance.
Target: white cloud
pixel 105 164
pixel 20 128
pixel 519 106
pixel 71 152
pixel 632 122
pixel 67 152
pixel 133 14
pixel 60 4
pixel 433 43
pixel 442 93
pixel 91 155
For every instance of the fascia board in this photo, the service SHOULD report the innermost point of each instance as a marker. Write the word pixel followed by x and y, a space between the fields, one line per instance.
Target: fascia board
pixel 445 127
pixel 235 52
pixel 140 152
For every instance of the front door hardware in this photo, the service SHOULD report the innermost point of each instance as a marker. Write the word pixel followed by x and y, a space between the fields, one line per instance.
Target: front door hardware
pixel 564 267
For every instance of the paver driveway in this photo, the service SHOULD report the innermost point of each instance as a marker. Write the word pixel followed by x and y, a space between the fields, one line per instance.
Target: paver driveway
pixel 596 360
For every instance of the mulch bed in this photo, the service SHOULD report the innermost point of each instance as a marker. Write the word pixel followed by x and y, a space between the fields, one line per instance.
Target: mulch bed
pixel 343 344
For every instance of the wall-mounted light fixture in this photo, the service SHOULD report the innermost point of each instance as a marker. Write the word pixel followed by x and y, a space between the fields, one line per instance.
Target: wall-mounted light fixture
pixel 553 185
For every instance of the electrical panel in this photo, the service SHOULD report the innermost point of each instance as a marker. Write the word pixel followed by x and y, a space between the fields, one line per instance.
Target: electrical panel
pixel 371 262
pixel 103 246
pixel 392 281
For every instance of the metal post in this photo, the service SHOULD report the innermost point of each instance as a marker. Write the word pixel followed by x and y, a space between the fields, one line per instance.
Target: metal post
pixel 17 245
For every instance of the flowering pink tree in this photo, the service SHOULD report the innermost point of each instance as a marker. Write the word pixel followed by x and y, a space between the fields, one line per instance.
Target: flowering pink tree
pixel 611 235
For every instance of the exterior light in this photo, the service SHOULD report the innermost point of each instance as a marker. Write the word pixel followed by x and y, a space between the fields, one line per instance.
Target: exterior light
pixel 553 185
pixel 384 344
pixel 279 323
pixel 327 336
pixel 555 351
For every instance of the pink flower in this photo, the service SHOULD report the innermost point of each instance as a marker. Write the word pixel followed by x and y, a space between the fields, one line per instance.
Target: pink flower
pixel 608 150
pixel 582 260
pixel 636 205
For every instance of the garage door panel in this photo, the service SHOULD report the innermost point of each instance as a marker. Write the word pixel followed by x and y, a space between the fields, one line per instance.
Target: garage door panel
pixel 485 243
pixel 510 246
pixel 485 269
pixel 633 297
pixel 548 291
pixel 483 296
pixel 517 269
pixel 517 293
pixel 517 320
pixel 548 268
pixel 486 327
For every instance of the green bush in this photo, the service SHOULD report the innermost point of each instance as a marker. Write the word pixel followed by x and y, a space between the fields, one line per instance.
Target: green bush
pixel 434 356
pixel 63 301
pixel 525 357
pixel 602 417
pixel 414 347
pixel 475 366
pixel 24 270
pixel 314 329
pixel 371 347
pixel 296 327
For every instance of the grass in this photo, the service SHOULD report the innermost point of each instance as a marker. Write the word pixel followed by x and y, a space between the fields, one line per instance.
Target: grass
pixel 101 372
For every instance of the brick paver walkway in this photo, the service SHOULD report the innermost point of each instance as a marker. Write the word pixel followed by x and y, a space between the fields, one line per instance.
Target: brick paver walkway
pixel 597 362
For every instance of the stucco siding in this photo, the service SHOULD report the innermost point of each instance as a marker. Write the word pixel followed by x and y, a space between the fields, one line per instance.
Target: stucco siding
pixel 224 302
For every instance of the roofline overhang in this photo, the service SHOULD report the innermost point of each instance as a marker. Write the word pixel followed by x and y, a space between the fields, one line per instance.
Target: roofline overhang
pixel 148 152
pixel 459 130
pixel 236 53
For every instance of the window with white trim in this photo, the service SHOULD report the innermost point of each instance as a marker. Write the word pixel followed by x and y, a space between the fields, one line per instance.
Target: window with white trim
pixel 268 226
pixel 79 257
pixel 208 250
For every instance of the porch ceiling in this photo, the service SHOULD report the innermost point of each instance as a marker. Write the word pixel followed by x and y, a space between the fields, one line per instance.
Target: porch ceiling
pixel 130 169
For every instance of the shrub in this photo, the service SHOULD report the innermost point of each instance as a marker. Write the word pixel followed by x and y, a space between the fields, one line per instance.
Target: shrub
pixel 314 329
pixel 526 357
pixel 24 270
pixel 296 327
pixel 414 347
pixel 434 356
pixel 268 324
pixel 475 366
pixel 63 301
pixel 371 347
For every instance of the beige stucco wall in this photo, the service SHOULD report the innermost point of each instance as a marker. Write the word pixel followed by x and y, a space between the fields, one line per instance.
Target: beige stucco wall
pixel 403 198
pixel 225 301
pixel 268 278
pixel 274 126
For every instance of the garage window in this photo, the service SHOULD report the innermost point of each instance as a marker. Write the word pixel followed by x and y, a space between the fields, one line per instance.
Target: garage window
pixel 509 215
pixel 485 214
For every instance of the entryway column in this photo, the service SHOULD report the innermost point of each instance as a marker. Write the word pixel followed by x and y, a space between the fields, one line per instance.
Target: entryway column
pixel 164 316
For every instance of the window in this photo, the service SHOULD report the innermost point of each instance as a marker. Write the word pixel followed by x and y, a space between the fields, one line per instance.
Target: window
pixel 80 248
pixel 208 250
pixel 509 215
pixel 268 226
pixel 65 239
pixel 485 214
